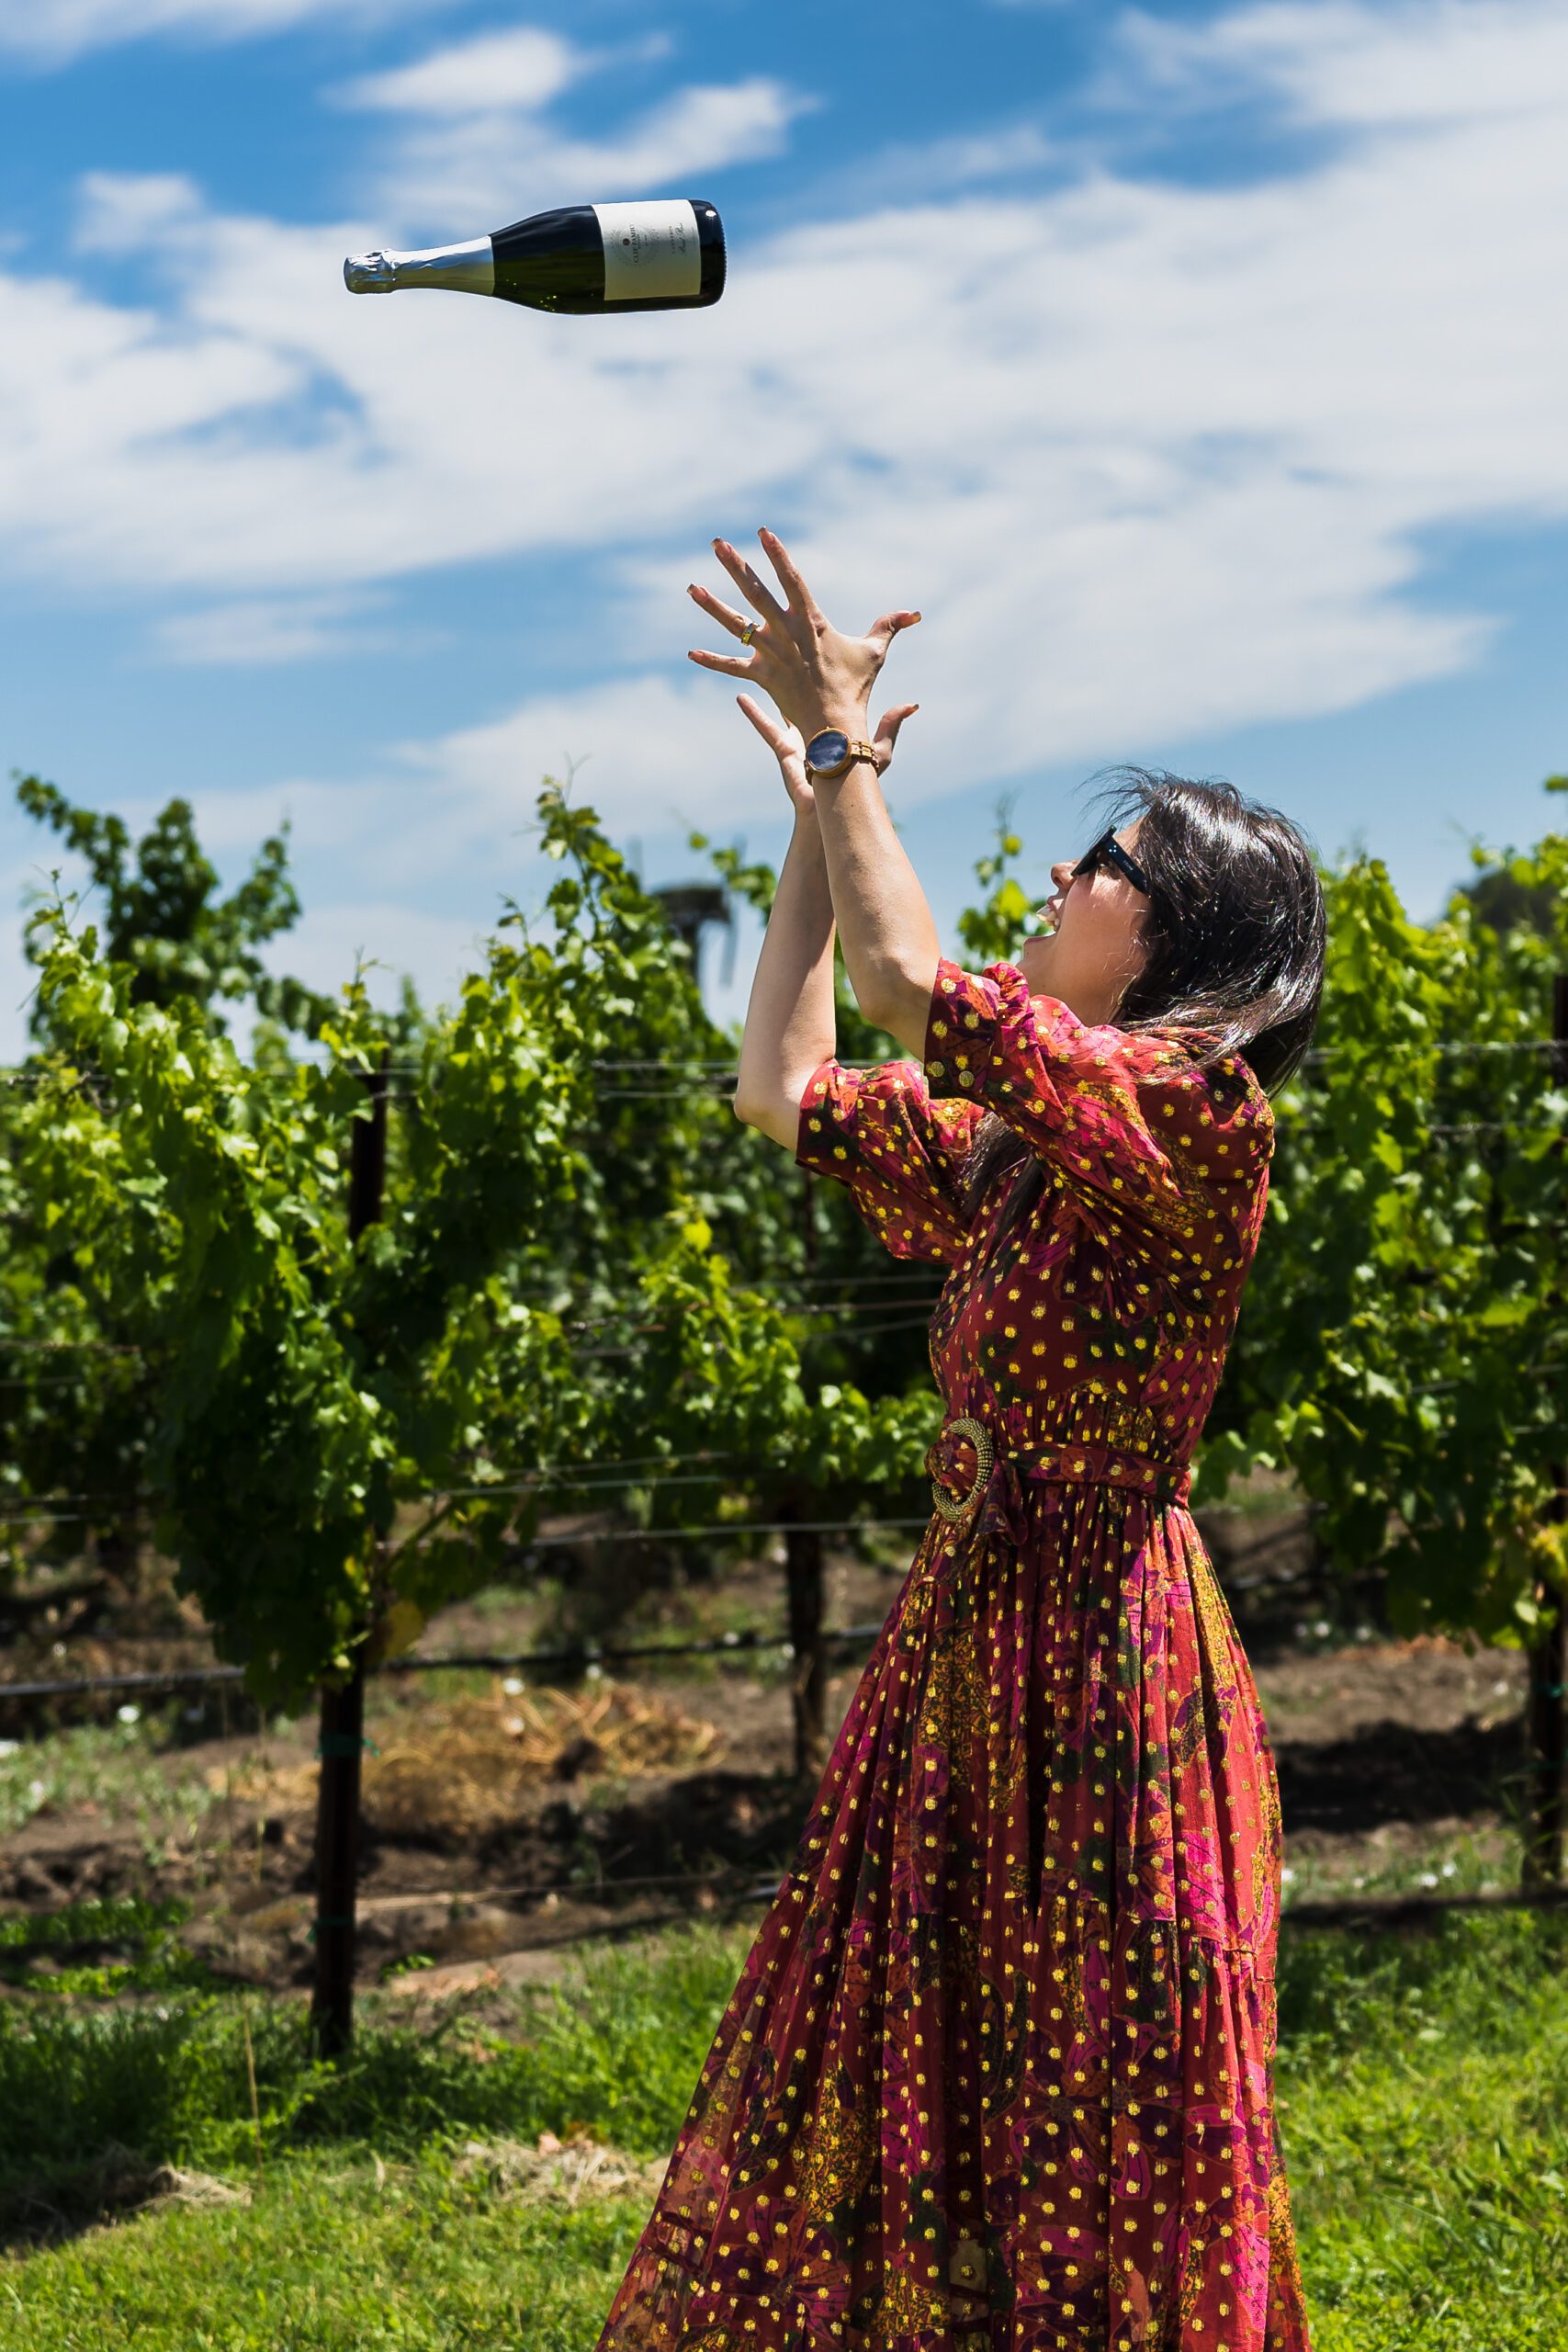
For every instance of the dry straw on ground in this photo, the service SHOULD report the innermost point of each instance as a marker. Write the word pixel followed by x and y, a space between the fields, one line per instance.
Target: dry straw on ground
pixel 556 2173
pixel 458 1769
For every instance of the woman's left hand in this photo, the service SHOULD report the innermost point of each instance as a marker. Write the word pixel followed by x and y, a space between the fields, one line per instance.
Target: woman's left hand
pixel 816 675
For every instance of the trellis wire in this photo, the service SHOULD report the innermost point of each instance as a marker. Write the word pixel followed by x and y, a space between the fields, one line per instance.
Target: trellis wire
pixel 726 1072
pixel 577 1656
pixel 918 1282
pixel 1327 1912
pixel 29 1511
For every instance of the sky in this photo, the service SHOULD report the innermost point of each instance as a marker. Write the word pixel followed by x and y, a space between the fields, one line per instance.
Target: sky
pixel 1197 371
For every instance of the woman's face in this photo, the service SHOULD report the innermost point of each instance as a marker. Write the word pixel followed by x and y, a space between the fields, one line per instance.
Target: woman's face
pixel 1094 950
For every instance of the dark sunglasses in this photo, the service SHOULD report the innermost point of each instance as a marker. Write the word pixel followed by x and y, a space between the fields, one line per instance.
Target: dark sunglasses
pixel 1108 851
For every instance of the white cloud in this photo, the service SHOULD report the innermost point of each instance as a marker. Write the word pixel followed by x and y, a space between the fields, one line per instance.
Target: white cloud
pixel 125 212
pixel 1152 457
pixel 494 163
pixel 654 755
pixel 522 67
pixel 261 631
pixel 435 951
pixel 920 172
pixel 476 143
pixel 62 29
pixel 1415 62
pixel 1114 630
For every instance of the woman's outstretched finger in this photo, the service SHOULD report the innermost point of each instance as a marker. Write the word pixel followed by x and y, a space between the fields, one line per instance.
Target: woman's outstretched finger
pixel 751 584
pixel 775 736
pixel 725 616
pixel 800 596
pixel 890 624
pixel 734 665
pixel 886 734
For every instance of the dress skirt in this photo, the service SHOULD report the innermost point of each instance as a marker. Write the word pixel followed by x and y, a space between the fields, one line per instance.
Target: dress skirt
pixel 997 2073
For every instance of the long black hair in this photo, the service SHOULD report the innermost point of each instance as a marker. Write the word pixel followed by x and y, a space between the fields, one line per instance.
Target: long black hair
pixel 1235 933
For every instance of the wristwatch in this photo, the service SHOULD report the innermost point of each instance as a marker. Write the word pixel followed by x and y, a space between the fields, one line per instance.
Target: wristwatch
pixel 829 754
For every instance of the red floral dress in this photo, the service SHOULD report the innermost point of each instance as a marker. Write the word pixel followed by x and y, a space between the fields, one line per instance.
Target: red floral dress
pixel 996 2076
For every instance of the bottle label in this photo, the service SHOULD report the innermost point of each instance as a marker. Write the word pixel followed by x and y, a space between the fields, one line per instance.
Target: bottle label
pixel 653 252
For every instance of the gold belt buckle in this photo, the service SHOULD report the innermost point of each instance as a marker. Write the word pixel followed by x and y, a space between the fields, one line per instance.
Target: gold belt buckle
pixel 979 1436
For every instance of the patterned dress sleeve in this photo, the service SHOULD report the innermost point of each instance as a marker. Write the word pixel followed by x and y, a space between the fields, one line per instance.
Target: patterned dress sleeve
pixel 1130 1119
pixel 901 1155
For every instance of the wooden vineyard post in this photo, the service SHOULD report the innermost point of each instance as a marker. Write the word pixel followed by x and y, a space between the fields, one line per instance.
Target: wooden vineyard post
pixel 341 1742
pixel 1548 1711
pixel 808 1664
pixel 337 1864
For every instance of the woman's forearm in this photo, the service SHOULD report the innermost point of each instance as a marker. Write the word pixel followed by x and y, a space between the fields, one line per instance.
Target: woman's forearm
pixel 890 940
pixel 790 1021
pixel 820 679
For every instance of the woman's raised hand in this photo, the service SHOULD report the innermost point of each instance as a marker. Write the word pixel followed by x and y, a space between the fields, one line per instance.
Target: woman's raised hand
pixel 816 675
pixel 788 747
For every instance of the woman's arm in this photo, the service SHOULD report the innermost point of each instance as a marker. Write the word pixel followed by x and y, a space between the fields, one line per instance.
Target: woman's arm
pixel 790 1027
pixel 819 677
pixel 890 940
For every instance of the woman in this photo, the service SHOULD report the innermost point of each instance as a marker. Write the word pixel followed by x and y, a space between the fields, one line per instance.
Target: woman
pixel 996 2076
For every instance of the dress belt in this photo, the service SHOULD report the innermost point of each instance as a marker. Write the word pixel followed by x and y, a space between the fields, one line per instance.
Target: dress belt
pixel 1098 1465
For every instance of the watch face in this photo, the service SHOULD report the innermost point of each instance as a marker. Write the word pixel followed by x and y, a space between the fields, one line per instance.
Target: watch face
pixel 828 750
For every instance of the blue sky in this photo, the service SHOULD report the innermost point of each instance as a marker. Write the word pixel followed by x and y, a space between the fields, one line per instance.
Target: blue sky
pixel 1198 371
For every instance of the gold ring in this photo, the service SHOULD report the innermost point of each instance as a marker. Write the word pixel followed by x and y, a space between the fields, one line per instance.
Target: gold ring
pixel 748 632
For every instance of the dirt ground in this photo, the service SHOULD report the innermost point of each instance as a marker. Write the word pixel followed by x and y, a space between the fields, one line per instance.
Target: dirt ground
pixel 505 1822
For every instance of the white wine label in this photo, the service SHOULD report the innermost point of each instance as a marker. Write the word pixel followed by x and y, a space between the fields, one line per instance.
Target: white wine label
pixel 653 252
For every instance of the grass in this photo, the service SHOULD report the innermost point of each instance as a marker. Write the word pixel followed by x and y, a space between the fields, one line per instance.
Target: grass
pixel 168 2081
pixel 1423 2083
pixel 331 2258
pixel 1463 1863
pixel 99 1948
pixel 112 1768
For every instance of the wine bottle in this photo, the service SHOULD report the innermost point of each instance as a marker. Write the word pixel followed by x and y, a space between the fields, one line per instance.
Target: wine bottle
pixel 661 256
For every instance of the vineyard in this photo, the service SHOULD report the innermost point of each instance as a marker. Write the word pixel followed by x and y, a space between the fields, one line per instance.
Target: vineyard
pixel 453 1471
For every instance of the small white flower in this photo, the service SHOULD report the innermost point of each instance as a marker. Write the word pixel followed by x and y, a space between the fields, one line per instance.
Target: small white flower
pixel 1450 1869
pixel 1428 1878
pixel 595 1673
pixel 37 1791
pixel 1322 1629
pixel 513 1686
pixel 9 1746
pixel 1287 1876
pixel 129 1714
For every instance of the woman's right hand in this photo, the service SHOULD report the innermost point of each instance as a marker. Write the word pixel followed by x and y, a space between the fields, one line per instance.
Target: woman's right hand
pixel 788 747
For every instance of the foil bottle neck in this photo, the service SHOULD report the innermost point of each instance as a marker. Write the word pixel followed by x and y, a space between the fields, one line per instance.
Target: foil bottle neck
pixel 462 269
